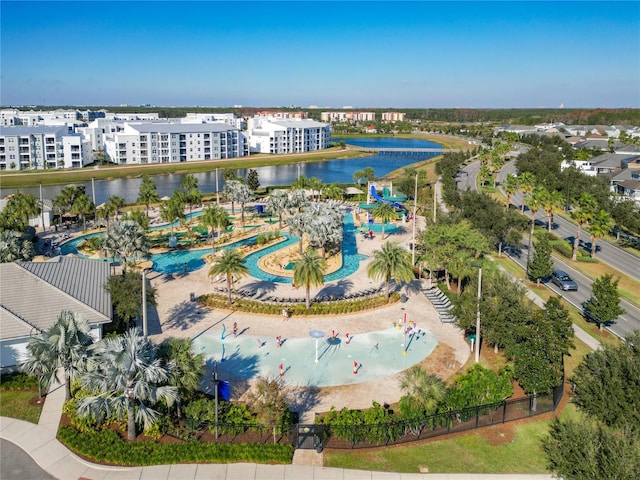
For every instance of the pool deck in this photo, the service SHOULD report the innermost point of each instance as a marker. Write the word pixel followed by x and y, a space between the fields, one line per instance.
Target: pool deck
pixel 177 316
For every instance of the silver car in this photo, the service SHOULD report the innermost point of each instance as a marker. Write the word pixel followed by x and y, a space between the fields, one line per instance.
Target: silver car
pixel 564 281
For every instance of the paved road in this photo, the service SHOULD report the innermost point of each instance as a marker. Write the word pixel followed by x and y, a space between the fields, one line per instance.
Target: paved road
pixel 16 464
pixel 625 323
pixel 605 251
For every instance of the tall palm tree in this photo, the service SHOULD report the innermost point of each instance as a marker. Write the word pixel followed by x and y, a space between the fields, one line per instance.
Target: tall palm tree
pixel 115 202
pixel 214 217
pixel 333 191
pixel 65 199
pixel 309 272
pixel 172 210
pixel 191 194
pixel 511 185
pixel 423 393
pixel 243 195
pixel 13 247
pixel 552 204
pixel 535 203
pixel 126 239
pixel 601 224
pixel 63 346
pixel 390 262
pixel 315 184
pixel 230 264
pixel 298 224
pixel 384 212
pixel 229 190
pixel 527 183
pixel 185 366
pixel 277 203
pixel 582 215
pixel 148 193
pixel 83 206
pixel 124 373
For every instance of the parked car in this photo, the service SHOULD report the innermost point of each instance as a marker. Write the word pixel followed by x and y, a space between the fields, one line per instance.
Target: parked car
pixel 564 281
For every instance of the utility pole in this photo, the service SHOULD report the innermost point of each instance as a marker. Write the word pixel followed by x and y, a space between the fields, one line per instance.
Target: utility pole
pixel 477 352
pixel 415 209
pixel 217 189
pixel 144 303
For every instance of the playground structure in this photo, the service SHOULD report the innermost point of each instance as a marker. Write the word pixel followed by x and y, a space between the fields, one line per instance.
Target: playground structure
pixel 386 188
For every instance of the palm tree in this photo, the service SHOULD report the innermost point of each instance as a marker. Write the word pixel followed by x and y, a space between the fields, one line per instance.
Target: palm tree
pixel 384 212
pixel 19 209
pixel 390 262
pixel 126 239
pixel 315 184
pixel 191 194
pixel 13 246
pixel 552 203
pixel 333 191
pixel 124 373
pixel 172 210
pixel 214 216
pixel 527 182
pixel 232 265
pixel 423 393
pixel 66 198
pixel 62 346
pixel 511 185
pixel 184 365
pixel 582 215
pixel 243 195
pixel 277 203
pixel 298 223
pixel 309 272
pixel 115 202
pixel 229 190
pixel 83 206
pixel 601 224
pixel 148 193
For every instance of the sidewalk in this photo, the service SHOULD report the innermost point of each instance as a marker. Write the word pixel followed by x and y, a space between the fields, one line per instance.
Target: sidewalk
pixel 40 443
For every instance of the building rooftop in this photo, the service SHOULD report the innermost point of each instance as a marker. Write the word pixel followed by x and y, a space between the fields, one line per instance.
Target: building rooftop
pixel 153 127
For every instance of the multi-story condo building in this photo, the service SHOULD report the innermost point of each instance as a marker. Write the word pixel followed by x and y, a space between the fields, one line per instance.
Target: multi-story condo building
pixel 40 147
pixel 282 115
pixel 287 136
pixel 347 116
pixel 228 118
pixel 393 116
pixel 150 142
pixel 131 117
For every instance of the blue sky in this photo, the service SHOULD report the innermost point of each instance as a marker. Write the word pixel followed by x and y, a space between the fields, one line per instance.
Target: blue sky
pixel 330 54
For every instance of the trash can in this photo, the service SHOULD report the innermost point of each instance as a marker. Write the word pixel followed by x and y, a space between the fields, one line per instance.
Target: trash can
pixel 192 296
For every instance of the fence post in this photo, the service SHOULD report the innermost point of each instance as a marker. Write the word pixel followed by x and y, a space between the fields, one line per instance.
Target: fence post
pixel 504 411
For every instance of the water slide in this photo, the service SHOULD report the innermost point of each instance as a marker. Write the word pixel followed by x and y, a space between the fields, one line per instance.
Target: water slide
pixel 384 200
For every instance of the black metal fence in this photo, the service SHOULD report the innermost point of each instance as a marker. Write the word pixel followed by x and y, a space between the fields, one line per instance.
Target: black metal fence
pixel 318 436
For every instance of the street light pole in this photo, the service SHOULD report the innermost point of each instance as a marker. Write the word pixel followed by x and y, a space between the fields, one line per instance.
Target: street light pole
pixel 217 189
pixel 144 303
pixel 477 352
pixel 215 386
pixel 415 209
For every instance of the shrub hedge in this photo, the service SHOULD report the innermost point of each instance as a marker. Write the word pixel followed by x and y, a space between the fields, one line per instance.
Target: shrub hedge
pixel 219 301
pixel 107 447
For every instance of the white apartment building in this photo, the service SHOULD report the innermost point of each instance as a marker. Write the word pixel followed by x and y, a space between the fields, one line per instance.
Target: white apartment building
pixel 150 142
pixel 287 136
pixel 131 117
pixel 228 118
pixel 41 147
pixel 348 116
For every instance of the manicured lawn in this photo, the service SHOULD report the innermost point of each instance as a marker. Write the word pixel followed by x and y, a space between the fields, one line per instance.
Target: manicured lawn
pixel 464 454
pixel 18 404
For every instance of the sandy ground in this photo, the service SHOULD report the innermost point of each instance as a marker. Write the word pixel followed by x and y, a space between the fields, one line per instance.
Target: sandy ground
pixel 176 315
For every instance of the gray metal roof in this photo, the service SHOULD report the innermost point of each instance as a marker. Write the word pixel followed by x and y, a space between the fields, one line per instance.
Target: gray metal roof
pixel 34 130
pixel 299 123
pixel 612 160
pixel 630 184
pixel 36 292
pixel 183 128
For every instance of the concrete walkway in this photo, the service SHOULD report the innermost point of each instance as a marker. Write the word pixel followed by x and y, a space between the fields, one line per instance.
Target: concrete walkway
pixel 40 443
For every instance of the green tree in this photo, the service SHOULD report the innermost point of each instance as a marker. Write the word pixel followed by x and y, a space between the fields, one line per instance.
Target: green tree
pixel 309 272
pixel 63 346
pixel 423 393
pixel 542 265
pixel 148 193
pixel 384 212
pixel 277 204
pixel 126 296
pixel 214 217
pixel 298 224
pixel 20 207
pixel 83 206
pixel 478 386
pixel 391 262
pixel 137 216
pixel 601 224
pixel 65 199
pixel 14 247
pixel 125 377
pixel 172 210
pixel 527 182
pixel 189 191
pixel 253 181
pixel 126 239
pixel 604 304
pixel 511 185
pixel 230 264
pixel 268 401
pixel 551 204
pixel 582 215
pixel 184 365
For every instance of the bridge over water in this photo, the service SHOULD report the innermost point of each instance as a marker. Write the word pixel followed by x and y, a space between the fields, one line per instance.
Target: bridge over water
pixel 403 151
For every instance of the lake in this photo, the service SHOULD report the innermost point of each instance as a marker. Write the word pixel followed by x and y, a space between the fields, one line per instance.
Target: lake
pixel 330 171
